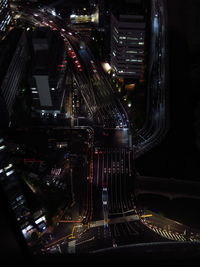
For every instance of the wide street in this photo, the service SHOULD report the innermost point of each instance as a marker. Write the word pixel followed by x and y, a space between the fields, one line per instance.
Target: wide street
pixel 113 144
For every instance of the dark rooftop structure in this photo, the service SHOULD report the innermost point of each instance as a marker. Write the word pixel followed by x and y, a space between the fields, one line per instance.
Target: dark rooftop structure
pixel 7 49
pixel 47 78
pixel 131 7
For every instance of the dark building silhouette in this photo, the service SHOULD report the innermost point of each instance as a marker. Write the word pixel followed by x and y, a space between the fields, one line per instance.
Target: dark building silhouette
pixel 13 59
pixel 48 72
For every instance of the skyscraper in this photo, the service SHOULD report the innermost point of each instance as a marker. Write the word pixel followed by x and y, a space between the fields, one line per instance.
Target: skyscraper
pixel 13 59
pixel 127 43
pixel 47 81
pixel 5 17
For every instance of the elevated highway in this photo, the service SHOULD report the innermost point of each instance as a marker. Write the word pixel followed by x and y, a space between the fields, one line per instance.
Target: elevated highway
pixel 168 187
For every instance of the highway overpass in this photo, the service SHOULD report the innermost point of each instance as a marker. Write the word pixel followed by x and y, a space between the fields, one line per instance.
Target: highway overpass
pixel 168 187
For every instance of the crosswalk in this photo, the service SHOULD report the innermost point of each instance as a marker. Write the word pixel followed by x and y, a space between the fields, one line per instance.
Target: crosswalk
pixel 169 234
pixel 172 236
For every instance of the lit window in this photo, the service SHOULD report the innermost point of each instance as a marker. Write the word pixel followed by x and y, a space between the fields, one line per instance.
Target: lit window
pixel 53 13
pixel 9 173
pixel 7 167
pixel 132 38
pixel 19 198
pixel 116 30
pixel 29 227
pixel 131 52
pixel 40 220
pixel 2 147
pixel 134 60
pixel 25 230
pixel 115 38
pixel 131 72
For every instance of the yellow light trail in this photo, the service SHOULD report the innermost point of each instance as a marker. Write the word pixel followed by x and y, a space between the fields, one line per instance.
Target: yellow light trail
pixel 146 215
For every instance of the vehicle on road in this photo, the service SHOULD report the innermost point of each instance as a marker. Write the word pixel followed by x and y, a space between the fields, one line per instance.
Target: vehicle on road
pixel 105 196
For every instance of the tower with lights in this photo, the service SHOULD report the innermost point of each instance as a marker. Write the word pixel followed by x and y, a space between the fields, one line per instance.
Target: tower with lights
pixel 5 17
pixel 127 42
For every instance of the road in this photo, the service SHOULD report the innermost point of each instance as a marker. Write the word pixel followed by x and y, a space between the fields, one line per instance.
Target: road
pixel 115 145
pixel 157 115
pixel 95 88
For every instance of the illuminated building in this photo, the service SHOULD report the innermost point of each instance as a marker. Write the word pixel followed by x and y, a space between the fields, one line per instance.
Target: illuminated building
pixel 11 184
pixel 5 17
pixel 87 14
pixel 127 44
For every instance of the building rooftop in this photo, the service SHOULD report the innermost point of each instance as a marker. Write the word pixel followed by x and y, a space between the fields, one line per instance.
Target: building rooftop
pixel 128 7
pixel 48 53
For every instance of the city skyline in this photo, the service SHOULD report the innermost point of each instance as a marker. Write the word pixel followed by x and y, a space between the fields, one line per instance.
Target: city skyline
pixel 87 97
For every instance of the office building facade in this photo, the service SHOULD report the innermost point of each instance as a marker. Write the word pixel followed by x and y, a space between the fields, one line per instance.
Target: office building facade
pixel 13 62
pixel 5 17
pixel 27 220
pixel 127 45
